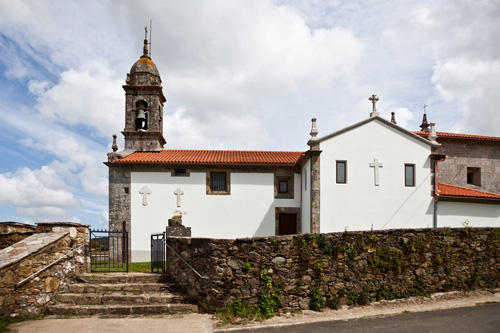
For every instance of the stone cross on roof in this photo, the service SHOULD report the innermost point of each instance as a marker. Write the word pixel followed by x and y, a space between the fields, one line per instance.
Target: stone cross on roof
pixel 374 99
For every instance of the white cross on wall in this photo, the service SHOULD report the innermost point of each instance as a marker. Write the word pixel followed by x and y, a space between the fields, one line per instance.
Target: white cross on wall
pixel 376 165
pixel 145 191
pixel 178 193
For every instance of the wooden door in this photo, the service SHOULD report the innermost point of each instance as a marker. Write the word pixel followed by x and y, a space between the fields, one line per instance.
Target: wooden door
pixel 287 224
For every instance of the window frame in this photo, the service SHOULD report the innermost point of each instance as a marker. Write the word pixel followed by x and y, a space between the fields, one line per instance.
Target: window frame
pixel 337 171
pixel 282 176
pixel 227 191
pixel 413 175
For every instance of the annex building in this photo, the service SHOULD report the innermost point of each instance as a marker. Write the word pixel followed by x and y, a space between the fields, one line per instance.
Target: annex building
pixel 371 175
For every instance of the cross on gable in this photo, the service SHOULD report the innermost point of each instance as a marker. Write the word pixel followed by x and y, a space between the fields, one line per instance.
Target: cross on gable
pixel 374 99
pixel 178 193
pixel 376 165
pixel 145 191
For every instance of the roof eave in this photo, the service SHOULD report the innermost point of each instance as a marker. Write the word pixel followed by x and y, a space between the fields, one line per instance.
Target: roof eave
pixel 367 120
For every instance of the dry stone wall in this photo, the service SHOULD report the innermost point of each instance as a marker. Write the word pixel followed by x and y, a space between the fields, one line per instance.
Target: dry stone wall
pixel 52 241
pixel 329 270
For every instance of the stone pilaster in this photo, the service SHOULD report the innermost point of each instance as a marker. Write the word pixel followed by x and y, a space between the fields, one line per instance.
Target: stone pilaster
pixel 314 153
pixel 315 192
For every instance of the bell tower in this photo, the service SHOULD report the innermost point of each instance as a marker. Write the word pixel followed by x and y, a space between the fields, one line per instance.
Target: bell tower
pixel 144 106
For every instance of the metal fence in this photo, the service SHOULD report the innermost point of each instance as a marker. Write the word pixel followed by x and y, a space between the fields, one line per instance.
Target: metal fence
pixel 108 251
pixel 158 253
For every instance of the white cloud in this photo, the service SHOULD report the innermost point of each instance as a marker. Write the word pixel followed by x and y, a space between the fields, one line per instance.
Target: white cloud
pixel 474 85
pixel 89 97
pixel 34 189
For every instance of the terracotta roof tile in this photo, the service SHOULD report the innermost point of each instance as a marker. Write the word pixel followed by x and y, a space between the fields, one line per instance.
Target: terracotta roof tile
pixel 219 157
pixel 459 136
pixel 447 190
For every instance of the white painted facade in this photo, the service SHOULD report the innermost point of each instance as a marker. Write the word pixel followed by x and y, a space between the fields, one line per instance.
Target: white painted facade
pixel 249 210
pixel 454 214
pixel 360 204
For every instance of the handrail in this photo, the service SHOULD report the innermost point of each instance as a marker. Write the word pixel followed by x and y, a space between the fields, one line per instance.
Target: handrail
pixel 194 270
pixel 44 268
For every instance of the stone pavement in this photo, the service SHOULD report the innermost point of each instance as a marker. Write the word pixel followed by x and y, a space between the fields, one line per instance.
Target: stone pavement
pixel 194 323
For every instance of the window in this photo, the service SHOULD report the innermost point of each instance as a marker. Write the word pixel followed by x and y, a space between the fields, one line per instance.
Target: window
pixel 410 175
pixel 341 172
pixel 126 190
pixel 218 182
pixel 180 173
pixel 283 186
pixel 474 176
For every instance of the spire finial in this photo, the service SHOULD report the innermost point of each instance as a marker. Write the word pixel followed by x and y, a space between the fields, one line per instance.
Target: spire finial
pixel 425 125
pixel 374 99
pixel 393 117
pixel 145 48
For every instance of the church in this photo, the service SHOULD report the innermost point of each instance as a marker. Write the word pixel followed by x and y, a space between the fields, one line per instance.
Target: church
pixel 371 175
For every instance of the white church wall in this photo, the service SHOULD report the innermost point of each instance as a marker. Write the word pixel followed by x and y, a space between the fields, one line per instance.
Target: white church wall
pixel 248 211
pixel 359 204
pixel 306 198
pixel 455 214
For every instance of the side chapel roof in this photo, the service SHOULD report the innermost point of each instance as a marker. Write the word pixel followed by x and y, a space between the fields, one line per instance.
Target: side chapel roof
pixel 444 135
pixel 214 157
pixel 453 191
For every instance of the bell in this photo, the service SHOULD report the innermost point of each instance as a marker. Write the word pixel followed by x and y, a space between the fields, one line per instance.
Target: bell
pixel 140 115
pixel 140 120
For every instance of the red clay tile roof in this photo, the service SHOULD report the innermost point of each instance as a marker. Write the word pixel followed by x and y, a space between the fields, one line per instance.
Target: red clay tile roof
pixel 213 157
pixel 458 136
pixel 447 190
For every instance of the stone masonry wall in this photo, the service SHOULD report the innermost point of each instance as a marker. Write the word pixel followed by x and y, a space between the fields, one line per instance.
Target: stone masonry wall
pixel 51 242
pixel 13 232
pixel 335 269
pixel 467 153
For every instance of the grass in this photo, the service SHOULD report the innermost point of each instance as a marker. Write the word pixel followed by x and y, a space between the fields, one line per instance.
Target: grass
pixel 141 267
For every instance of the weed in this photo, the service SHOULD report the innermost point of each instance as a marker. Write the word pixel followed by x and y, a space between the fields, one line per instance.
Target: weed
pixel 317 301
pixel 246 266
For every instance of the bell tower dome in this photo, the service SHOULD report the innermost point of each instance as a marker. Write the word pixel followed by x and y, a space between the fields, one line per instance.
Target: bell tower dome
pixel 144 106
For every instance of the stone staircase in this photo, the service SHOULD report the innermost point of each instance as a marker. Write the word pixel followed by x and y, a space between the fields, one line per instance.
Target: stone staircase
pixel 121 294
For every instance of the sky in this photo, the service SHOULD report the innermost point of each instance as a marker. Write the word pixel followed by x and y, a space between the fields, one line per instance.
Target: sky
pixel 246 75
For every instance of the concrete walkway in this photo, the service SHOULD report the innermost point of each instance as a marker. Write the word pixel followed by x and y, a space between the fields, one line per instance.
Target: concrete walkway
pixel 194 323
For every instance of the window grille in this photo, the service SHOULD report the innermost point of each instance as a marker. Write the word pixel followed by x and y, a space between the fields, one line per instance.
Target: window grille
pixel 218 181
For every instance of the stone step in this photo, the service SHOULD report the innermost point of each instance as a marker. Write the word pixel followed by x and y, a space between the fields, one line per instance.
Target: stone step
pixel 103 299
pixel 106 310
pixel 121 278
pixel 135 288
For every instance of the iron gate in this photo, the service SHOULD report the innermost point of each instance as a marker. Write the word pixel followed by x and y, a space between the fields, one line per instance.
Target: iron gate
pixel 108 251
pixel 158 253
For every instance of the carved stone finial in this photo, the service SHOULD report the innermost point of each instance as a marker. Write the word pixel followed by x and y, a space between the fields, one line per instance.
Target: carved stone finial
pixel 393 118
pixel 114 146
pixel 432 133
pixel 313 141
pixel 374 99
pixel 314 129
